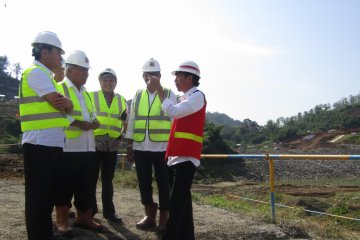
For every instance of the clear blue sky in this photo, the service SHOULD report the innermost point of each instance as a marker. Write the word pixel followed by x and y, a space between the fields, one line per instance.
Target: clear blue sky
pixel 260 59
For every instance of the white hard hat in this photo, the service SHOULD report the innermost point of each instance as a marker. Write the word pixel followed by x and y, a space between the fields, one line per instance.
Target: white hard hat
pixel 78 58
pixel 107 71
pixel 151 65
pixel 49 38
pixel 188 66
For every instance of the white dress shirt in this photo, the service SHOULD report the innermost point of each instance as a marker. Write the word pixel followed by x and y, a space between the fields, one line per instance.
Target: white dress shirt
pixel 147 144
pixel 41 84
pixel 86 141
pixel 191 102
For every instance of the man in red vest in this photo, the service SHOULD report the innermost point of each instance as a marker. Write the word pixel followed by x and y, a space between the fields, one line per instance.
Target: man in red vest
pixel 184 147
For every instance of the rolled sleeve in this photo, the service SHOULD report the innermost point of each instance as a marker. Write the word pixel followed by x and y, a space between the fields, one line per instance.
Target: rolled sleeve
pixel 40 82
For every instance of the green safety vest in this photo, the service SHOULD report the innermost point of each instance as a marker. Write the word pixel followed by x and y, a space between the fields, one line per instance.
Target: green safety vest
pixel 72 131
pixel 151 118
pixel 109 118
pixel 35 112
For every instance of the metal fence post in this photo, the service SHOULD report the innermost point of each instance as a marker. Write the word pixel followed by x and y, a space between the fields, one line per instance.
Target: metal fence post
pixel 272 186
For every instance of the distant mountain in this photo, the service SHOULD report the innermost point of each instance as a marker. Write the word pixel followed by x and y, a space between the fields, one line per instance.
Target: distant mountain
pixel 222 119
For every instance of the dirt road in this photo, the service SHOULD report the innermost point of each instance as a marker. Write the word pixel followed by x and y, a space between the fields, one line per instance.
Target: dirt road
pixel 210 223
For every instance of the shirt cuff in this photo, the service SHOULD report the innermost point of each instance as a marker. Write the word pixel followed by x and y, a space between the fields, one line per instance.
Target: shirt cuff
pixel 166 104
pixel 71 119
pixel 129 135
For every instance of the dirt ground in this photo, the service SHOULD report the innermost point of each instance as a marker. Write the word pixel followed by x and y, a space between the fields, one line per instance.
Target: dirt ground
pixel 210 222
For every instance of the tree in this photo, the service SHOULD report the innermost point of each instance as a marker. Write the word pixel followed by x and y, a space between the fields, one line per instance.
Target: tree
pixel 213 142
pixel 16 70
pixel 4 64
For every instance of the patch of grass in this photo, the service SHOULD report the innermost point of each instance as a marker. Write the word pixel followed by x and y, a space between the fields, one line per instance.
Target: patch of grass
pixel 126 179
pixel 221 201
pixel 322 182
pixel 346 204
pixel 340 209
pixel 313 203
pixel 351 139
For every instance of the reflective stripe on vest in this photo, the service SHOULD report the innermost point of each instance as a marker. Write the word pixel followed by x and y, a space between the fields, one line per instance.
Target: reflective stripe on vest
pixel 72 131
pixel 189 136
pixel 109 117
pixel 35 112
pixel 151 118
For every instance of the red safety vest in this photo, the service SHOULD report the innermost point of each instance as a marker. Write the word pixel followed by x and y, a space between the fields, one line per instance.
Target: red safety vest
pixel 186 135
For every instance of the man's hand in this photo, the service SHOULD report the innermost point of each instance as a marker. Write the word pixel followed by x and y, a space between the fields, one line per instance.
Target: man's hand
pixel 130 153
pixel 95 124
pixel 83 125
pixel 63 103
pixel 154 82
pixel 59 101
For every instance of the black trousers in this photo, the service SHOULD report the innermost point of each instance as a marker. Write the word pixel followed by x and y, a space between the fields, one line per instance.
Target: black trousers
pixel 75 178
pixel 144 161
pixel 40 163
pixel 106 161
pixel 181 223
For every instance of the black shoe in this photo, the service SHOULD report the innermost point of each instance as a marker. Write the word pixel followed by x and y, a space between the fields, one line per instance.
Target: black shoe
pixel 113 217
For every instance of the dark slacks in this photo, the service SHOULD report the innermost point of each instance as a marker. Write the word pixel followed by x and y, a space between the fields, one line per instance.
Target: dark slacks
pixel 181 223
pixel 106 161
pixel 40 163
pixel 144 161
pixel 75 178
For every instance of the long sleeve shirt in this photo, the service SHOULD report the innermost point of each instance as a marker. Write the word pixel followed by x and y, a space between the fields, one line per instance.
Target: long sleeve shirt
pixel 191 102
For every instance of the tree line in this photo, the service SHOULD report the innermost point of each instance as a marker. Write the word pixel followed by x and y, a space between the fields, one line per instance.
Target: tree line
pixel 343 114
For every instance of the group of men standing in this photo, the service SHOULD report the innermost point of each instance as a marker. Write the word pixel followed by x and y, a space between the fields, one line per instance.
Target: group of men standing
pixel 69 134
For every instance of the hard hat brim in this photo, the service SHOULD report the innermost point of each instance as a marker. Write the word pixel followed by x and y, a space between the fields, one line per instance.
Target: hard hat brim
pixel 62 50
pixel 182 70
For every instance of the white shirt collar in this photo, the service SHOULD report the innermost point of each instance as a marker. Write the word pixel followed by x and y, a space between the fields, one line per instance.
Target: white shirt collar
pixel 37 63
pixel 71 85
pixel 188 93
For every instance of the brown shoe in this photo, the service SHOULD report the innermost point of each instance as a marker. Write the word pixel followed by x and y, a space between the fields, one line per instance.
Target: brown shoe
pixel 95 228
pixel 150 215
pixel 86 221
pixel 61 225
pixel 63 231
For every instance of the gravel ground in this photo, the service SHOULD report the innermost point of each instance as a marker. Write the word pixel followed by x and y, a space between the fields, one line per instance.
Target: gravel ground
pixel 210 223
